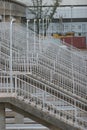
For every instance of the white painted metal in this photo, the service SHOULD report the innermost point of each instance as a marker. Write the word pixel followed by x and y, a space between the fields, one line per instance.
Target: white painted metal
pixel 11 41
pixel 51 76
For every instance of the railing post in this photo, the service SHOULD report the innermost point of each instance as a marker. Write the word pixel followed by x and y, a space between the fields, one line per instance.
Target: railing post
pixel 37 59
pixel 46 27
pixel 43 28
pixel 51 75
pixel 25 68
pixel 54 66
pixel 34 35
pixel 43 105
pixel 75 112
pixel 15 85
pixel 27 45
pixel 11 35
pixel 39 36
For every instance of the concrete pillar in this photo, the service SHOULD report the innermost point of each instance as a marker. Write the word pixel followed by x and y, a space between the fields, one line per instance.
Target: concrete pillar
pixel 19 119
pixel 2 116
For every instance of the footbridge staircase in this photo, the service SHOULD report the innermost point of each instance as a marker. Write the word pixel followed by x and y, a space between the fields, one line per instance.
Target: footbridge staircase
pixel 43 79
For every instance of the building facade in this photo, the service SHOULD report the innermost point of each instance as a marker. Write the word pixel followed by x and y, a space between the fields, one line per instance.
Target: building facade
pixel 12 9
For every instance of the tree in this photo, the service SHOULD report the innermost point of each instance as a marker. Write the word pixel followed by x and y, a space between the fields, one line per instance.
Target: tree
pixel 41 10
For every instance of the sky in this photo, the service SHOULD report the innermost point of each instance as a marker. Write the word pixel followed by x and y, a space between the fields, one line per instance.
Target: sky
pixel 64 2
pixel 29 2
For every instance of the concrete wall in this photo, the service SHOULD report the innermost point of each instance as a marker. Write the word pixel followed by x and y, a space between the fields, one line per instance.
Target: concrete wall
pixel 8 9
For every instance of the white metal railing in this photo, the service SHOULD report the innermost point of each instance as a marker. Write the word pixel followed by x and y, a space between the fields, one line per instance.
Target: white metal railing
pixel 58 74
pixel 59 66
pixel 38 95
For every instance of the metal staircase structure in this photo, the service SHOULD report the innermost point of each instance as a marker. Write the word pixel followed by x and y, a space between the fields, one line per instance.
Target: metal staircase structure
pixel 43 12
pixel 50 77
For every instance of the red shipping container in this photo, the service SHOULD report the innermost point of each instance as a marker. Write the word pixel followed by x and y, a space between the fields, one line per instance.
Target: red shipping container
pixel 78 42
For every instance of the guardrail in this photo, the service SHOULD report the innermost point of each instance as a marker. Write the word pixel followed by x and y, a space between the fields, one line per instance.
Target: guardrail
pixel 48 75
